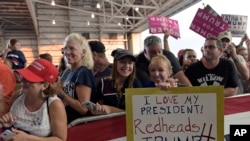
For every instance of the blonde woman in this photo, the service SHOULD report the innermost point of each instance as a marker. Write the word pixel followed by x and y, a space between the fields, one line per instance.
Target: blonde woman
pixel 160 71
pixel 79 85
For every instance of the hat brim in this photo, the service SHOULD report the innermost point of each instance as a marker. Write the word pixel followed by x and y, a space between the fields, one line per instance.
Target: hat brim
pixel 29 75
pixel 126 56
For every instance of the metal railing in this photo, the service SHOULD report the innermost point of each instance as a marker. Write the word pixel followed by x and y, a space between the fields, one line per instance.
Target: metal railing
pixel 93 118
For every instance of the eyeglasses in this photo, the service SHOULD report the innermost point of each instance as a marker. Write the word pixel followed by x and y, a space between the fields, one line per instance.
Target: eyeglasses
pixel 71 49
pixel 211 47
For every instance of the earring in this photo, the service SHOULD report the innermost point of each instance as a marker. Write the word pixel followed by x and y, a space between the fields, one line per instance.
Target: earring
pixel 43 94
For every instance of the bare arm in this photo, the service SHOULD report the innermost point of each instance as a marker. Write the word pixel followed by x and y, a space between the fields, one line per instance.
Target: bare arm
pixel 104 109
pixel 241 68
pixel 182 78
pixel 111 109
pixel 239 62
pixel 83 93
pixel 165 40
pixel 230 91
pixel 248 47
pixel 5 52
pixel 58 120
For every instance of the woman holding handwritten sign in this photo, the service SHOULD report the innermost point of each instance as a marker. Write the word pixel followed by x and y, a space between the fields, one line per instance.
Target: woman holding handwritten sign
pixel 160 70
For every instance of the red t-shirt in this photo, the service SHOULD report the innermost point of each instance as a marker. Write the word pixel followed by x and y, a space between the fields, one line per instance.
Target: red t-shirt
pixel 7 82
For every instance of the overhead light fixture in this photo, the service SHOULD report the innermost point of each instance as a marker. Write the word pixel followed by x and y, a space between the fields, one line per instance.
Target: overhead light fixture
pixel 119 23
pixel 88 23
pixel 98 5
pixel 53 3
pixel 92 15
pixel 136 9
pixel 53 21
pixel 127 17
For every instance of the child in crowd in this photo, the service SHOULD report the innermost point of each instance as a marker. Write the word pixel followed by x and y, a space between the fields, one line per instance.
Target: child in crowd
pixel 14 55
pixel 111 91
pixel 160 71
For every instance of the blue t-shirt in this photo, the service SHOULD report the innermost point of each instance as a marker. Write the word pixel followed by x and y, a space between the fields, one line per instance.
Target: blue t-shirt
pixel 82 76
pixel 149 84
pixel 105 73
pixel 17 59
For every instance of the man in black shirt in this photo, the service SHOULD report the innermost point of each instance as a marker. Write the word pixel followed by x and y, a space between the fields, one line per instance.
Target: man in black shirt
pixel 102 67
pixel 214 70
pixel 153 47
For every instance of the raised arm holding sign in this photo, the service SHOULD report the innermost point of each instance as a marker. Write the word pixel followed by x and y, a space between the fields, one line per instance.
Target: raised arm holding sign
pixel 161 24
pixel 207 24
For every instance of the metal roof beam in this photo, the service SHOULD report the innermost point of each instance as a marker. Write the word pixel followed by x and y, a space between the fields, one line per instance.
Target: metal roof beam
pixel 33 16
pixel 85 11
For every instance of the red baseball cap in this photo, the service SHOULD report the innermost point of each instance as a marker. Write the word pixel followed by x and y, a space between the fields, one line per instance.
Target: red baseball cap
pixel 180 52
pixel 40 70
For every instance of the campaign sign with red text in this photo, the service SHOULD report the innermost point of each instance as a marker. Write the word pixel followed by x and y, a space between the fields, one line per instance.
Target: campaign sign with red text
pixel 237 24
pixel 179 114
pixel 160 24
pixel 207 24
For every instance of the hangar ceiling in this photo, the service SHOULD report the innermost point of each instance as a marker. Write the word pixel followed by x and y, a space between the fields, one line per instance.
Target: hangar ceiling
pixel 42 26
pixel 113 16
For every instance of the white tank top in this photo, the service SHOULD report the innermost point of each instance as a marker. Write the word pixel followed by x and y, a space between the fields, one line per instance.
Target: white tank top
pixel 36 123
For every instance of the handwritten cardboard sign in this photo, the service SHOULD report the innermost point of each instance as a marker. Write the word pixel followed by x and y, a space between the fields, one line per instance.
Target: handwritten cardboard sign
pixel 207 24
pixel 160 24
pixel 237 24
pixel 180 114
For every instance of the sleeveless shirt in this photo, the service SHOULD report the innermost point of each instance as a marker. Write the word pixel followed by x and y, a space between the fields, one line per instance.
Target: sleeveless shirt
pixel 35 123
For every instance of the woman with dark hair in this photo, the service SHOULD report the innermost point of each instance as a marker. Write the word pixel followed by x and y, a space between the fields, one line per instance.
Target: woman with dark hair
pixel 187 58
pixel 111 91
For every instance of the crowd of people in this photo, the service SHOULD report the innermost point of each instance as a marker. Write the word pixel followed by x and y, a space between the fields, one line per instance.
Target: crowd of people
pixel 40 100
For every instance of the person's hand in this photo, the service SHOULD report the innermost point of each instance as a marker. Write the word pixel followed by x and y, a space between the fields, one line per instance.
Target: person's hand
pixel 231 49
pixel 99 109
pixel 7 120
pixel 58 87
pixel 166 35
pixel 244 38
pixel 166 85
pixel 247 41
pixel 20 135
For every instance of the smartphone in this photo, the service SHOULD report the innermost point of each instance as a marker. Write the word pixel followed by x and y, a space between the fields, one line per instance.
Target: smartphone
pixel 7 133
pixel 181 85
pixel 89 104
